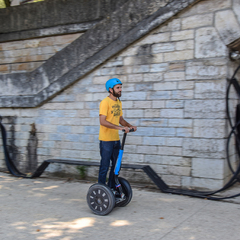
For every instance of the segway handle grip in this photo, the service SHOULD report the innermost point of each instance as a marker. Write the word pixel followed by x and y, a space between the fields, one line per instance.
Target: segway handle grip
pixel 131 130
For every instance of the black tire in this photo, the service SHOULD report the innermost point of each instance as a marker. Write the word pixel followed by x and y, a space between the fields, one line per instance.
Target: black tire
pixel 100 199
pixel 127 190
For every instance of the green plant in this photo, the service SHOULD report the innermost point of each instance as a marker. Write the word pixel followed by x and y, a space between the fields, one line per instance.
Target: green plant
pixel 82 171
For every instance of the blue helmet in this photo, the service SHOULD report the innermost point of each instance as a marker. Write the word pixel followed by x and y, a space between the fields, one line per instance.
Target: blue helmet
pixel 112 82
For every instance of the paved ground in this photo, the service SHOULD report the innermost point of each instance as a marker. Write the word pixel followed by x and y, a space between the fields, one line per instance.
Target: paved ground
pixel 47 208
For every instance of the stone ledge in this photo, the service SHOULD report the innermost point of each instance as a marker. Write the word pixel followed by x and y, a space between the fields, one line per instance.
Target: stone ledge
pixel 46 32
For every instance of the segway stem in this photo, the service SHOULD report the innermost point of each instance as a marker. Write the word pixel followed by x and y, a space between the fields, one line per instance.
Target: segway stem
pixel 118 165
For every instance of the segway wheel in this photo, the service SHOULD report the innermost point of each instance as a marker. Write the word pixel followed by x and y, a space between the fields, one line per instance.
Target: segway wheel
pixel 100 199
pixel 127 190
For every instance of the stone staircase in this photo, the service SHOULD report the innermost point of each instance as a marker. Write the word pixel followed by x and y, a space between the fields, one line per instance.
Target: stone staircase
pixel 105 39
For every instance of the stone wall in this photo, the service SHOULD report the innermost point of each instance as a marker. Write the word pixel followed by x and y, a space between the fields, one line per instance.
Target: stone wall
pixel 27 55
pixel 174 86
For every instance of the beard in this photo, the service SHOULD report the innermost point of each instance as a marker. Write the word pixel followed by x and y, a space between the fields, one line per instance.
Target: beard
pixel 118 95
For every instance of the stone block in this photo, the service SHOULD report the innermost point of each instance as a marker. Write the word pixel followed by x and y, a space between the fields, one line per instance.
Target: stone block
pixel 43 151
pixel 174 76
pixel 204 148
pixel 92 121
pixel 161 67
pixel 201 183
pixel 72 137
pixel 4 69
pixel 46 128
pixel 163 47
pixel 107 71
pixel 129 61
pixel 169 151
pixel 159 95
pixel 172 180
pixel 209 44
pixel 185 45
pixel 154 38
pixel 130 51
pixel 158 104
pixel 208 168
pixel 197 21
pixel 213 89
pixel 91 129
pixel 176 161
pixel 135 140
pixel 174 25
pixel 71 113
pixel 134 78
pixel 174 142
pixel 207 7
pixel 100 79
pixel 164 131
pixel 134 96
pixel 162 86
pixel 51 113
pixel 227 26
pixel 55 137
pixel 145 131
pixel 205 109
pixel 48 144
pixel 179 66
pixel 71 154
pixel 182 94
pixel 182 123
pixel 209 128
pixel 154 141
pixel 206 70
pixel 184 132
pixel 152 77
pixel 141 69
pixel 171 113
pixel 154 122
pixel 185 85
pixel 151 113
pixel 179 55
pixel 128 104
pixel 157 58
pixel 182 35
pixel 147 149
pixel 147 86
pixel 134 113
pixel 64 129
pixel 133 158
pixel 141 104
pixel 179 170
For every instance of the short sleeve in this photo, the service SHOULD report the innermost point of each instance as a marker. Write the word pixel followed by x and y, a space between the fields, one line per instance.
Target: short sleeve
pixel 103 109
pixel 121 113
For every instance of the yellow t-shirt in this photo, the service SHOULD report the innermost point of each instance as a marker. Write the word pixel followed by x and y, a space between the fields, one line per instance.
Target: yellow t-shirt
pixel 113 111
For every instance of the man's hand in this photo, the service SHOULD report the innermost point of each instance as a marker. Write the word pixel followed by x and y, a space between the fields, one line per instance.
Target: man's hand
pixel 134 127
pixel 125 129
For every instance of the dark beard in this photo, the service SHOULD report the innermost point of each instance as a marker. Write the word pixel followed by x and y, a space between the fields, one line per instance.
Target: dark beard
pixel 117 95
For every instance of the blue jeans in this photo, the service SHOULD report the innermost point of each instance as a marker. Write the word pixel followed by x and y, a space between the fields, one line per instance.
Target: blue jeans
pixel 109 151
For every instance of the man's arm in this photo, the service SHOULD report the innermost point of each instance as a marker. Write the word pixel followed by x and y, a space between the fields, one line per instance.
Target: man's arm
pixel 107 124
pixel 124 123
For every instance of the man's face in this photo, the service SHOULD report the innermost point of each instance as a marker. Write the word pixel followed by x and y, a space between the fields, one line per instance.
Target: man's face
pixel 117 90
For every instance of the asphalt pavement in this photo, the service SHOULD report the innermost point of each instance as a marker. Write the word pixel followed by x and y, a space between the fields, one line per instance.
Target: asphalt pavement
pixel 50 208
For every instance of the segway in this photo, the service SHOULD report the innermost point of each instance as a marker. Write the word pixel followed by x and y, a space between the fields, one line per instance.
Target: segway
pixel 101 199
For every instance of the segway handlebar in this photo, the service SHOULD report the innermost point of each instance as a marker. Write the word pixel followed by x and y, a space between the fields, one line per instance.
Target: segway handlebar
pixel 131 130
